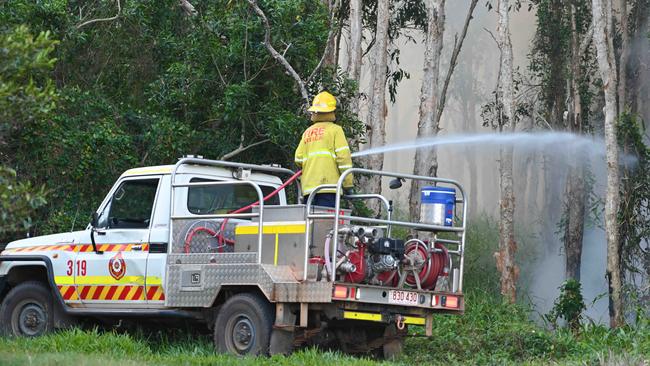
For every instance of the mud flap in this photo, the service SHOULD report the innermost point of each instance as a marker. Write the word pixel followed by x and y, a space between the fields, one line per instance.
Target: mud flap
pixel 281 342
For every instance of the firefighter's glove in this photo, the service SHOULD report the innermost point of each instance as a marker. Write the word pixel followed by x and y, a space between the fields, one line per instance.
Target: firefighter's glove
pixel 348 191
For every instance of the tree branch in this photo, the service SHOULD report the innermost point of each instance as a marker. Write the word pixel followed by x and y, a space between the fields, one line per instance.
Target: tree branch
pixel 458 45
pixel 330 35
pixel 241 149
pixel 586 41
pixel 119 10
pixel 277 56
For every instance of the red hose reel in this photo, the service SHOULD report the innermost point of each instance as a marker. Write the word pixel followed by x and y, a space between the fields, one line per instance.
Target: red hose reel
pixel 433 264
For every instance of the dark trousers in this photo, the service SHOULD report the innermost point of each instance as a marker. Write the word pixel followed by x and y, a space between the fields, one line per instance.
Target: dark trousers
pixel 324 199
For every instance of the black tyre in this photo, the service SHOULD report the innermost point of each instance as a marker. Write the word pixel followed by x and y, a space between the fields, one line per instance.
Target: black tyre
pixel 27 311
pixel 243 325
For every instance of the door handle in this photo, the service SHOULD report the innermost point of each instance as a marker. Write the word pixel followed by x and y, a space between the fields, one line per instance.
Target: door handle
pixel 100 232
pixel 136 247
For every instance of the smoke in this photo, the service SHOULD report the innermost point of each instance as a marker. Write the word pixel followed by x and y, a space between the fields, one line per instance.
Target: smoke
pixel 540 170
pixel 547 275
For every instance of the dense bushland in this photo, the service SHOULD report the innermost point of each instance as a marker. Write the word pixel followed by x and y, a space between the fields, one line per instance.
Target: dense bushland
pixel 81 104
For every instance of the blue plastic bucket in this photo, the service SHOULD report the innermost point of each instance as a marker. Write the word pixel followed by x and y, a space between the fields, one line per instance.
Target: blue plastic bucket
pixel 437 205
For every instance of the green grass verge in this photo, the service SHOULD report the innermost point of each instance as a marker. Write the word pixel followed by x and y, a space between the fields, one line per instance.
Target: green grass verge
pixel 489 333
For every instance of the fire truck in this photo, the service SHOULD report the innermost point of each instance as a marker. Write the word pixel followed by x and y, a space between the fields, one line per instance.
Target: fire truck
pixel 237 247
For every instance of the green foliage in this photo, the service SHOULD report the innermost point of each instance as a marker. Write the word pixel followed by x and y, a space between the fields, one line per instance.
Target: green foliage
pixel 568 306
pixel 27 94
pixel 550 58
pixel 18 201
pixel 482 242
pixel 633 218
pixel 149 87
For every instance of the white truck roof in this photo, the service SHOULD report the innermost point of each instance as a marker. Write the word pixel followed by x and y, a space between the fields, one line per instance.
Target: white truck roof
pixel 199 169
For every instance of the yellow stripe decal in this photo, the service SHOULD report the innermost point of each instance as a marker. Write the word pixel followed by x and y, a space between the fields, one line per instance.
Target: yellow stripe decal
pixel 275 255
pixel 271 229
pixel 148 170
pixel 414 320
pixel 362 316
pixel 107 280
pixel 64 280
pixel 151 280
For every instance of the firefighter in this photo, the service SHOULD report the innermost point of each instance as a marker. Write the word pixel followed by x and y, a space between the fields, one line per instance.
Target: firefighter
pixel 323 152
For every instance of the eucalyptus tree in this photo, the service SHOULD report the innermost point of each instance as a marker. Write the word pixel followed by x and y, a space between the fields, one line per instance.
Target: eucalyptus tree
pixel 604 41
pixel 432 96
pixel 377 110
pixel 505 257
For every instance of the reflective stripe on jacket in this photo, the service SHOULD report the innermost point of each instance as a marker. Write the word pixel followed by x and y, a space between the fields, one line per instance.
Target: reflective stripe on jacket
pixel 324 155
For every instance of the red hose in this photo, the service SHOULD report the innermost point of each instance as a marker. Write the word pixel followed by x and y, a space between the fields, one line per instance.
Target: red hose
pixel 239 210
pixel 219 235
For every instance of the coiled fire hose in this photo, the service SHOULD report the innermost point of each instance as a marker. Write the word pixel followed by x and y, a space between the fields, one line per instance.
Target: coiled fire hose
pixel 219 234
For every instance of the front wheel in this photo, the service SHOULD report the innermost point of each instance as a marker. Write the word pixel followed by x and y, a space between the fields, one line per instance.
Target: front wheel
pixel 243 325
pixel 27 311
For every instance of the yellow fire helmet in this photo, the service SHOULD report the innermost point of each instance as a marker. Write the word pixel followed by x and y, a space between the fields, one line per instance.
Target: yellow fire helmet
pixel 324 102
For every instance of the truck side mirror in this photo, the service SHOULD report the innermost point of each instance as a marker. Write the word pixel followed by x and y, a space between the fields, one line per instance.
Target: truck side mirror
pixel 93 220
pixel 395 183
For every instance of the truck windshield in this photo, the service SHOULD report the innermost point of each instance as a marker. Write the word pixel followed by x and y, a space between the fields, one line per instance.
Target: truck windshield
pixel 224 198
pixel 131 205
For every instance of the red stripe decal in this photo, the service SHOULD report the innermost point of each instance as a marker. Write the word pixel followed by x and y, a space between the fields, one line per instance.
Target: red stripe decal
pixel 138 294
pixel 111 292
pixel 151 292
pixel 125 292
pixel 84 292
pixel 162 295
pixel 69 293
pixel 98 292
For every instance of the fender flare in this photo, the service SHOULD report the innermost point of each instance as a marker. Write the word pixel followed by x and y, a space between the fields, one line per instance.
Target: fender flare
pixel 48 267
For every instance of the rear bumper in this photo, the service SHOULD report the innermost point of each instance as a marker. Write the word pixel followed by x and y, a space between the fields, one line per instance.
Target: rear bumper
pixel 433 301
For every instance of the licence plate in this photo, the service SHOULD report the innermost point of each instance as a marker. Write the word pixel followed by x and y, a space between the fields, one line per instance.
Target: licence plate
pixel 402 297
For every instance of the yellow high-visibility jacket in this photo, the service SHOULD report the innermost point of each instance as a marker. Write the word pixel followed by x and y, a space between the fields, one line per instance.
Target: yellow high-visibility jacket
pixel 324 155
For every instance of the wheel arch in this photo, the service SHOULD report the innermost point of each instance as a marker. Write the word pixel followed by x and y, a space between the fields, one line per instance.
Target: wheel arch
pixel 19 272
pixel 227 291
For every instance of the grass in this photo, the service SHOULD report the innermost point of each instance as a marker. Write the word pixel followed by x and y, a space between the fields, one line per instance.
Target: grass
pixel 489 333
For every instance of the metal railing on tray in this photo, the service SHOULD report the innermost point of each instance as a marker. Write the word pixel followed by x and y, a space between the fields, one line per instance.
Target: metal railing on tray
pixel 226 164
pixel 338 215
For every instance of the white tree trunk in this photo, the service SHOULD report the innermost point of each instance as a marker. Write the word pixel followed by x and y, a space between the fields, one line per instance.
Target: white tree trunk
pixel 625 53
pixel 603 39
pixel 355 52
pixel 329 58
pixel 575 194
pixel 505 258
pixel 426 161
pixel 376 124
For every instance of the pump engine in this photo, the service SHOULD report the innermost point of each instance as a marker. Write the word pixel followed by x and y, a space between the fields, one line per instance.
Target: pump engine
pixel 366 256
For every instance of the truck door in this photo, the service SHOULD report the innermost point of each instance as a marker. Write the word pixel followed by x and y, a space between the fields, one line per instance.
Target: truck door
pixel 117 275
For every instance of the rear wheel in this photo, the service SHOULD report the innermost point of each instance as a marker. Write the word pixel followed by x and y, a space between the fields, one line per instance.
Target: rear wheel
pixel 243 325
pixel 27 311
